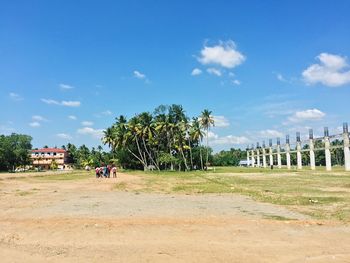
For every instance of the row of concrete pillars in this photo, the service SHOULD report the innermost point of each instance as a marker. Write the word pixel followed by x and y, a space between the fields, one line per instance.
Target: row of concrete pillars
pixel 254 155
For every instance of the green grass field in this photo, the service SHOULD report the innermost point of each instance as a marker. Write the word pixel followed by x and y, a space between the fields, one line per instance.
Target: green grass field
pixel 320 194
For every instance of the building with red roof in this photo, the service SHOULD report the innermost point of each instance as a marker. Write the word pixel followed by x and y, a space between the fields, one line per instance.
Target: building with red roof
pixel 45 158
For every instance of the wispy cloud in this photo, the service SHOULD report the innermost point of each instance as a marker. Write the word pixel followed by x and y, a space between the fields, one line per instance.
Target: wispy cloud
pixel 221 121
pixel 236 82
pixel 229 140
pixel 70 103
pixel 214 71
pixel 196 72
pixel 15 96
pixel 62 103
pixel 34 124
pixel 38 118
pixel 65 86
pixel 64 136
pixel 106 113
pixel 72 117
pixel 87 123
pixel 95 133
pixel 139 75
pixel 269 134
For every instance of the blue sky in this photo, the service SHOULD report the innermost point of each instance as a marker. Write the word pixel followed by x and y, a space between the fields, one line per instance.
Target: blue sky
pixel 265 68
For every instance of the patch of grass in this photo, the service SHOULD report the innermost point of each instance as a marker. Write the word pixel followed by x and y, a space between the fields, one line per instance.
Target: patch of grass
pixel 122 186
pixel 276 217
pixel 76 175
pixel 23 193
pixel 321 194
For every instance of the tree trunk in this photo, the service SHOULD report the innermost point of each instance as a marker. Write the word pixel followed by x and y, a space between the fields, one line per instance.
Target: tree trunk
pixel 149 155
pixel 189 144
pixel 201 156
pixel 183 156
pixel 206 163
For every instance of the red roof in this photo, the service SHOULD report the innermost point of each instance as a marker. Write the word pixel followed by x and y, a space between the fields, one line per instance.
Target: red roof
pixel 51 150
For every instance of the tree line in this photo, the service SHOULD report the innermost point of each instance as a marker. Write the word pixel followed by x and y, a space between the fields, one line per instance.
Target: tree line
pixel 164 139
pixel 14 151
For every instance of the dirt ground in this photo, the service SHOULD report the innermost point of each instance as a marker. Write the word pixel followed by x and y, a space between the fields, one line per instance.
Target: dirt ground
pixel 89 220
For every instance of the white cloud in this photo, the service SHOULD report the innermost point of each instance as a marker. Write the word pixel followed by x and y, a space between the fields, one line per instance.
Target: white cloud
pixel 66 87
pixel 224 54
pixel 64 136
pixel 139 75
pixel 38 118
pixel 215 139
pixel 269 134
pixel 5 129
pixel 214 71
pixel 307 115
pixel 35 124
pixel 62 103
pixel 196 72
pixel 280 77
pixel 72 117
pixel 236 82
pixel 87 123
pixel 332 70
pixel 70 103
pixel 96 133
pixel 50 101
pixel 221 121
pixel 15 96
pixel 107 112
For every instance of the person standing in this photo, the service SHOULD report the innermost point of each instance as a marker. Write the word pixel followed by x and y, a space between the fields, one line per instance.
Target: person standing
pixel 97 172
pixel 114 171
pixel 105 171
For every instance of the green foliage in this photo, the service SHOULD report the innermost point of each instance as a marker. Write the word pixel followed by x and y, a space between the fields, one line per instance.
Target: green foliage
pixel 82 156
pixel 229 158
pixel 14 151
pixel 53 165
pixel 163 139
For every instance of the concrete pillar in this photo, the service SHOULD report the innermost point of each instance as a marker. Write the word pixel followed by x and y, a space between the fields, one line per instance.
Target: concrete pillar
pixel 279 163
pixel 312 156
pixel 248 157
pixel 264 157
pixel 312 152
pixel 327 150
pixel 346 147
pixel 253 158
pixel 257 155
pixel 271 156
pixel 288 152
pixel 299 160
pixel 270 153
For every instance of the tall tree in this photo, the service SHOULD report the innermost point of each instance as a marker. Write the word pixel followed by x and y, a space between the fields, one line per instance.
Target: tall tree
pixel 207 121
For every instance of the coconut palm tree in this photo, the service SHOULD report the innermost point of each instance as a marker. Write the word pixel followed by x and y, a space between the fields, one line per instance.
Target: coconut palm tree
pixel 196 134
pixel 207 121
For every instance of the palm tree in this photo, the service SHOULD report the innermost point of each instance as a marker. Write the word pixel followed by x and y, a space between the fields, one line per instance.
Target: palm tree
pixel 109 137
pixel 165 127
pixel 197 136
pixel 147 134
pixel 207 121
pixel 134 134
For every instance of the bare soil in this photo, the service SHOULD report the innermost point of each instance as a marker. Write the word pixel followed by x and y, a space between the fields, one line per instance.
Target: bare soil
pixel 90 220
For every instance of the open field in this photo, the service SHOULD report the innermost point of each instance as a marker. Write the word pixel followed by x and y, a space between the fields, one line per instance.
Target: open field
pixel 226 215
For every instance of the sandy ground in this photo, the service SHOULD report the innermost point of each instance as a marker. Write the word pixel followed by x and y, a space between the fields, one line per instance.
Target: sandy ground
pixel 89 221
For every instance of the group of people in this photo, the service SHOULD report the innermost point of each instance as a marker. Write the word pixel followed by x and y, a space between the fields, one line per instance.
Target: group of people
pixel 106 171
